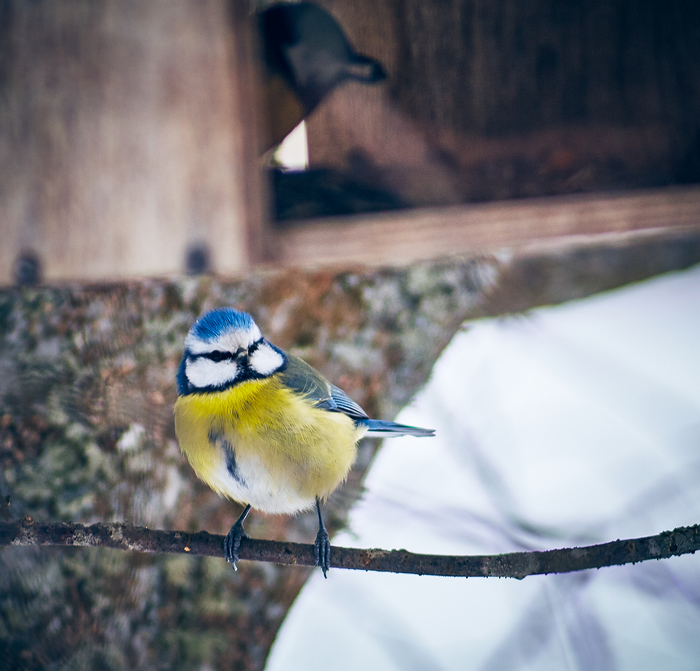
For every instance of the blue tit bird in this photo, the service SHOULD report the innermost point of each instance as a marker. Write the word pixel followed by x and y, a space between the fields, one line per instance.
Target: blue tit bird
pixel 262 427
pixel 306 55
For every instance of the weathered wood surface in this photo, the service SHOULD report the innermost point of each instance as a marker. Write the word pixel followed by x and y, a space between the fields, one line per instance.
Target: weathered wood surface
pixel 510 99
pixel 127 137
pixel 409 235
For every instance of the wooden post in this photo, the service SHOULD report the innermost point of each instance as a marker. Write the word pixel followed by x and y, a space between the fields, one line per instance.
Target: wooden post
pixel 126 143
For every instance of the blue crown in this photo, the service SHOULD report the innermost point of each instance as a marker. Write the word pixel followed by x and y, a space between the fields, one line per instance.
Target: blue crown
pixel 214 323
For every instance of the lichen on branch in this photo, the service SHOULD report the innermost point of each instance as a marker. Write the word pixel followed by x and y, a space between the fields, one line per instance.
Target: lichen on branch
pixel 684 540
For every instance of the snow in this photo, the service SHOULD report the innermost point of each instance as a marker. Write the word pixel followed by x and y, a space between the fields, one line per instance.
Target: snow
pixel 565 426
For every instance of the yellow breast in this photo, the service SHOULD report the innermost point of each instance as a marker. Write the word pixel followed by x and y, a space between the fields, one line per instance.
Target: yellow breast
pixel 260 443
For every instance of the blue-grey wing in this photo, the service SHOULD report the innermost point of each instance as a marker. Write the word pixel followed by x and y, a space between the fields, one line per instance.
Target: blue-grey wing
pixel 345 404
pixel 307 381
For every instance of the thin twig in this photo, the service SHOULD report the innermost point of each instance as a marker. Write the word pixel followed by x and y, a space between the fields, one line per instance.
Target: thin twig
pixel 685 540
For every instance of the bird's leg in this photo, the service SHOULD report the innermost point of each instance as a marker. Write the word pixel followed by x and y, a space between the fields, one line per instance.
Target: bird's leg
pixel 232 542
pixel 322 546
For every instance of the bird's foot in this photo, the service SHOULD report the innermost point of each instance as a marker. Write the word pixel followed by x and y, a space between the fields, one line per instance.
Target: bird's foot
pixel 322 551
pixel 232 543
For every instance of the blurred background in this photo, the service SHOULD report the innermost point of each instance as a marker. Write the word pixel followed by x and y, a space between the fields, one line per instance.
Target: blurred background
pixel 383 186
pixel 566 426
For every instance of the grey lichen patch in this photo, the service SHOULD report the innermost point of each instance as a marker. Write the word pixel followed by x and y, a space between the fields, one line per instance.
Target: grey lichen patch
pixel 178 569
pixel 357 357
pixel 84 538
pixel 26 533
pixel 655 549
pixel 530 567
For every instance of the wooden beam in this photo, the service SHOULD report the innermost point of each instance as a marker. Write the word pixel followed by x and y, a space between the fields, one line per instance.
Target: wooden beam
pixel 409 235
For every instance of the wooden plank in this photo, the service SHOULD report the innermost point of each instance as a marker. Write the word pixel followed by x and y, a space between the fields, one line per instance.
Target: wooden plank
pixel 405 236
pixel 126 144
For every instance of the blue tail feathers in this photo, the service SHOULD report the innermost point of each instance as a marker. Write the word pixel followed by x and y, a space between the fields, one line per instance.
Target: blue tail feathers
pixel 378 429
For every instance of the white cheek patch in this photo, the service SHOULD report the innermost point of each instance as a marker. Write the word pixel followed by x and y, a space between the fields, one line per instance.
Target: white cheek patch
pixel 265 360
pixel 204 372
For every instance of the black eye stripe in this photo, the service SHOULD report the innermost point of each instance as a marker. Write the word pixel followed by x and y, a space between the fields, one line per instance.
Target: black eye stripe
pixel 216 355
pixel 219 355
pixel 255 345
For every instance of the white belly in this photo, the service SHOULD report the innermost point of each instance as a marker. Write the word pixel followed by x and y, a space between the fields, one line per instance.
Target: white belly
pixel 246 480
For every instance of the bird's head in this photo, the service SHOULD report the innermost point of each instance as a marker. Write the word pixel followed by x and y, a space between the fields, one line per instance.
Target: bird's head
pixel 225 347
pixel 307 46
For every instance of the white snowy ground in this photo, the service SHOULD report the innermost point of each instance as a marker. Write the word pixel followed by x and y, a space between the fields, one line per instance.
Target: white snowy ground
pixel 569 425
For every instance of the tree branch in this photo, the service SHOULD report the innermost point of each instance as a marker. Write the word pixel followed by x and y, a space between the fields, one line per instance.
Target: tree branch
pixel 684 540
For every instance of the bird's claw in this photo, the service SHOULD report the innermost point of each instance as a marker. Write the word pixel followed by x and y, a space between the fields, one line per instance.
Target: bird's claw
pixel 232 544
pixel 322 551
